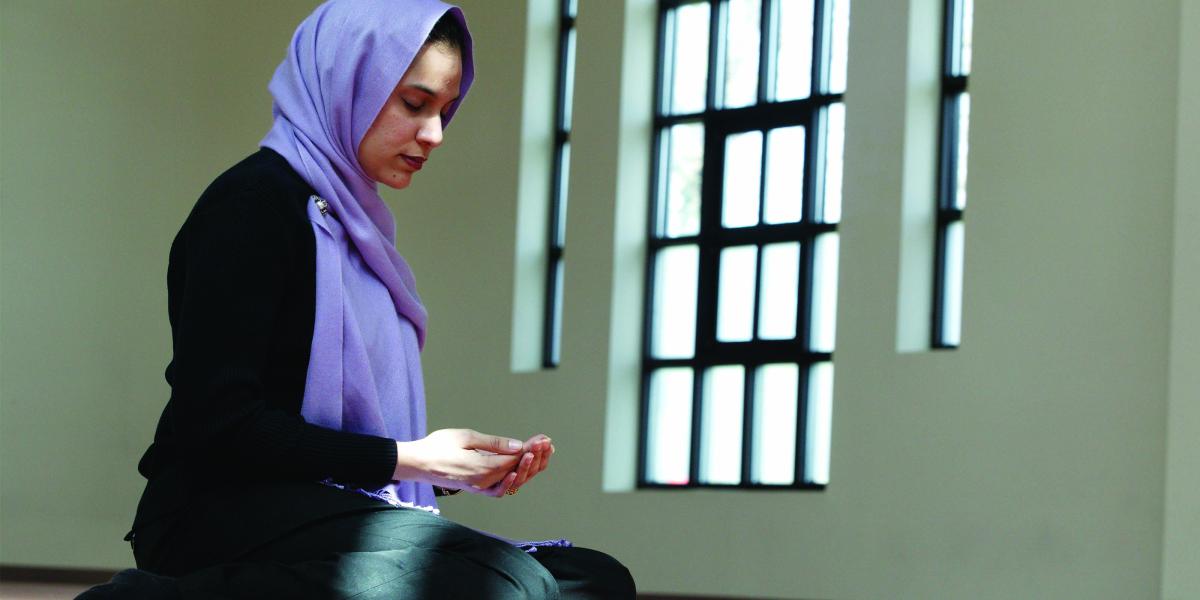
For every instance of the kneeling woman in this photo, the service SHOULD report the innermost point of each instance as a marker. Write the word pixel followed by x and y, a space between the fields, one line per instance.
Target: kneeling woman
pixel 292 459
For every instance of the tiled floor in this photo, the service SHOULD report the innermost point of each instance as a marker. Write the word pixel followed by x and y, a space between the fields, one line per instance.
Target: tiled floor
pixel 40 591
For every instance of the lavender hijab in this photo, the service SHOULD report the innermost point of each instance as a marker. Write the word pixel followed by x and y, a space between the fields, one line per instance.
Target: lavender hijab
pixel 364 371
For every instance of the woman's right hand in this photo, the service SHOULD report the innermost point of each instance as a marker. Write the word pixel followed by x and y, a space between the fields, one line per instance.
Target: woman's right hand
pixel 461 459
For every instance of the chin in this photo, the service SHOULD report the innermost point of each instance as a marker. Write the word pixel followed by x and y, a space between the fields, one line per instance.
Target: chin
pixel 397 181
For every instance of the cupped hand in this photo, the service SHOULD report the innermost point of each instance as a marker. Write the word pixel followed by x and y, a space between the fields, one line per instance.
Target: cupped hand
pixel 461 459
pixel 537 452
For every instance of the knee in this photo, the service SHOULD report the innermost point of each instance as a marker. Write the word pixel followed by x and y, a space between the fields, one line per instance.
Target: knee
pixel 587 573
pixel 507 580
pixel 617 581
pixel 498 570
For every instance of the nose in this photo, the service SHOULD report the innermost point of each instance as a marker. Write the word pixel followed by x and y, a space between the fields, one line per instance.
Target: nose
pixel 430 132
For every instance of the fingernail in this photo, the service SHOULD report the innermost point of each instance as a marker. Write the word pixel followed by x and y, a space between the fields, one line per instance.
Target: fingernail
pixel 514 445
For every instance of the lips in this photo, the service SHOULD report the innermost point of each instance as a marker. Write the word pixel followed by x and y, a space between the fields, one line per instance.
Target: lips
pixel 416 162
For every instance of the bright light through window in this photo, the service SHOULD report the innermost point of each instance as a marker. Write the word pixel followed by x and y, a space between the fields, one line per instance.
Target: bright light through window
pixel 743 246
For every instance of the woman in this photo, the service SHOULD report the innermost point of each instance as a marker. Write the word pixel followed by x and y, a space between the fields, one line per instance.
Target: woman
pixel 291 460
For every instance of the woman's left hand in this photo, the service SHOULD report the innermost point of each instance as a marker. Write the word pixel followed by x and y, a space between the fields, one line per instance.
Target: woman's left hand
pixel 538 450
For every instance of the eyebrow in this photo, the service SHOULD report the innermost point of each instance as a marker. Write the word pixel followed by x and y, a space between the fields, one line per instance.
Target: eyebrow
pixel 427 90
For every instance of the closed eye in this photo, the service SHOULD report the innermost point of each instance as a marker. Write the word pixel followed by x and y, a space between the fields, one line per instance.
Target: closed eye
pixel 426 93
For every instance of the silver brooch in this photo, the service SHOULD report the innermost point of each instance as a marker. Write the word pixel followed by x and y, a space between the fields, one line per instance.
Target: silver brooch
pixel 322 205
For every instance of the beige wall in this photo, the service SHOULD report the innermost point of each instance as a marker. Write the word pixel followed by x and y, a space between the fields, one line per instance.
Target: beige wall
pixel 1031 463
pixel 115 115
pixel 1181 578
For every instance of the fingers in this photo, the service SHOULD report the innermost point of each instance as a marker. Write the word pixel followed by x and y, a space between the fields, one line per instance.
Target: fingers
pixel 539 457
pixel 533 442
pixel 498 462
pixel 524 470
pixel 501 487
pixel 492 443
pixel 544 448
pixel 533 461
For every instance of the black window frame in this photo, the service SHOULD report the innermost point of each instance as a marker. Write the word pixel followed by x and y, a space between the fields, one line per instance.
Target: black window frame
pixel 763 115
pixel 953 88
pixel 559 169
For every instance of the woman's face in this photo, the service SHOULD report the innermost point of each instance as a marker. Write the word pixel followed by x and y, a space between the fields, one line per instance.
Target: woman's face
pixel 409 126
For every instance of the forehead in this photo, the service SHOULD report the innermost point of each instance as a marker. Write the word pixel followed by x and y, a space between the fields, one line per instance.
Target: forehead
pixel 436 69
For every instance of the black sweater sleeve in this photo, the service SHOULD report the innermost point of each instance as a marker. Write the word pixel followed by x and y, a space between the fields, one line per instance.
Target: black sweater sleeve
pixel 233 275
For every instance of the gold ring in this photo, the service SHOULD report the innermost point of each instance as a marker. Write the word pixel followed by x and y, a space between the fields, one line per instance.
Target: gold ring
pixel 511 492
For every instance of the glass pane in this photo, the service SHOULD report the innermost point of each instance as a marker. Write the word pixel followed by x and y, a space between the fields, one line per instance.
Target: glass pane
pixel 564 172
pixel 741 53
pixel 721 431
pixel 777 304
pixel 556 313
pixel 675 302
pixel 785 175
pixel 820 423
pixel 568 75
pixel 835 141
pixel 773 454
pixel 793 66
pixel 962 40
pixel 952 285
pixel 824 294
pixel 743 169
pixel 838 46
pixel 572 8
pixel 735 297
pixel 687 58
pixel 682 155
pixel 669 433
pixel 964 124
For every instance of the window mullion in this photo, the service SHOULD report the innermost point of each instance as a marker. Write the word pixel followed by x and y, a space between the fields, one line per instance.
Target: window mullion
pixel 767 36
pixel 748 422
pixel 712 176
pixel 822 16
pixel 716 46
pixel 802 386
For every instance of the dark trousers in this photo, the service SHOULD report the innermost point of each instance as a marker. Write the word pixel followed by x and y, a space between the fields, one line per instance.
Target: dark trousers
pixel 389 553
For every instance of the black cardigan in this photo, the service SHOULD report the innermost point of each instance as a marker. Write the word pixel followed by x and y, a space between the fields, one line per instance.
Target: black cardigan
pixel 241 287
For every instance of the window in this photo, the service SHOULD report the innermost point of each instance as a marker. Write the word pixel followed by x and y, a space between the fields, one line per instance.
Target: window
pixel 737 369
pixel 952 174
pixel 557 223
